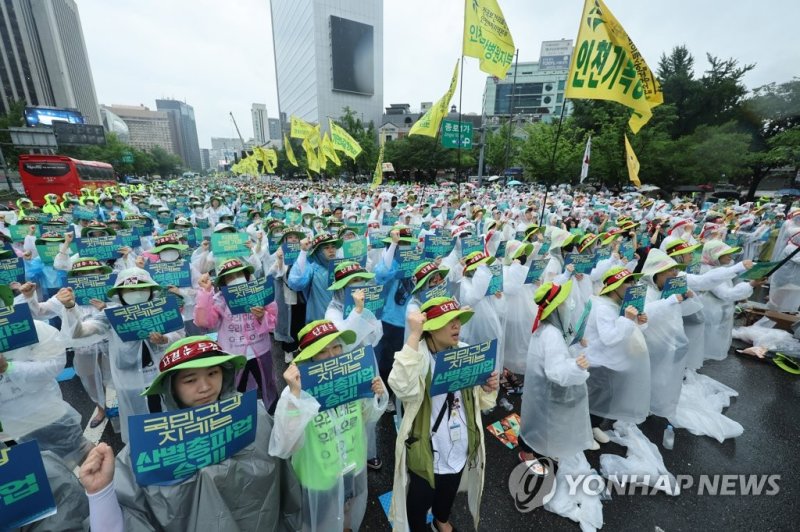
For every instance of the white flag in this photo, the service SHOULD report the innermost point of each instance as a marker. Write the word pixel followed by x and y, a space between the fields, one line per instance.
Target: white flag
pixel 586 155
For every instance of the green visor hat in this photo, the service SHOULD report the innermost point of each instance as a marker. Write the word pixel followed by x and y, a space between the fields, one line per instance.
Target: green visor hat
pixel 192 352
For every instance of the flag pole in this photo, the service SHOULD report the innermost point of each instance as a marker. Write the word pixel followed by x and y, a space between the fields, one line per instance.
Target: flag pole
pixel 553 160
pixel 511 113
pixel 460 94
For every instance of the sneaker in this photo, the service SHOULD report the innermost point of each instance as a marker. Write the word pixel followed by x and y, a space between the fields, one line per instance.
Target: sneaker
pixel 374 463
pixel 600 436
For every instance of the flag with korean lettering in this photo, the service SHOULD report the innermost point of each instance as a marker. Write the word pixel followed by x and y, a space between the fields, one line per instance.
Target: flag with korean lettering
pixel 342 140
pixel 607 66
pixel 166 448
pixel 487 37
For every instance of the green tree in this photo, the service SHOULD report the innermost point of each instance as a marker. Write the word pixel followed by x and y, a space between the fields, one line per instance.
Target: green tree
pixel 496 145
pixel 366 135
pixel 15 117
pixel 423 155
pixel 537 153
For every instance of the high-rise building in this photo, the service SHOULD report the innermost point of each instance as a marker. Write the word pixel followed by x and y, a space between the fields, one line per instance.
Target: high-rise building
pixel 260 123
pixel 275 134
pixel 184 128
pixel 43 57
pixel 537 92
pixel 146 129
pixel 328 56
pixel 205 159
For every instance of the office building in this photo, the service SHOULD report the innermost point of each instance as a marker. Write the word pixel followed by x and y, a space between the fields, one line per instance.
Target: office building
pixel 147 129
pixel 328 56
pixel 184 131
pixel 205 159
pixel 43 57
pixel 114 124
pixel 275 132
pixel 260 123
pixel 537 93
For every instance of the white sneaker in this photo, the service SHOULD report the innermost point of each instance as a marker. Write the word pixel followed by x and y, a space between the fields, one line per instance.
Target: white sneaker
pixel 595 446
pixel 600 436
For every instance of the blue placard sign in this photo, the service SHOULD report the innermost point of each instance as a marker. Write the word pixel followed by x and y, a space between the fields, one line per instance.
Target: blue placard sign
pixel 12 270
pixel 463 367
pixel 340 379
pixel 100 247
pixel 374 299
pixel 496 284
pixel 91 286
pixel 169 447
pixel 175 273
pixel 438 246
pixel 136 322
pixel 634 296
pixel 25 494
pixel 229 245
pixel 535 270
pixel 16 328
pixel 242 297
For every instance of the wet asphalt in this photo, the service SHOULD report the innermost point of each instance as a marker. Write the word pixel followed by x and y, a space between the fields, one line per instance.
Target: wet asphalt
pixel 768 406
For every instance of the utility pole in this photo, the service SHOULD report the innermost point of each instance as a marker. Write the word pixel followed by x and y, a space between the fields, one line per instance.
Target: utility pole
pixel 483 140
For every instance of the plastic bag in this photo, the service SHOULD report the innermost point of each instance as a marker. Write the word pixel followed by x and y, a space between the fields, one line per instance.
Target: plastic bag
pixel 643 463
pixel 772 339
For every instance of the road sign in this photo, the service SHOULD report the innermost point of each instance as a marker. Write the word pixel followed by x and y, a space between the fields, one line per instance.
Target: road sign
pixel 450 134
pixel 78 134
pixel 127 157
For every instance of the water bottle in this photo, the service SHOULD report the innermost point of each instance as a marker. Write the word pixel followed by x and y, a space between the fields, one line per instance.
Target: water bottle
pixel 669 438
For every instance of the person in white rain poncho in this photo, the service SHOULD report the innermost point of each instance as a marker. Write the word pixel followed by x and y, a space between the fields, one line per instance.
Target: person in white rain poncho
pixel 665 337
pixel 362 321
pixel 554 420
pixel 134 364
pixel 694 324
pixel 91 356
pixel 440 446
pixel 619 385
pixel 248 491
pixel 328 449
pixel 491 309
pixel 719 302
pixel 31 404
pixel 520 310
pixel 784 289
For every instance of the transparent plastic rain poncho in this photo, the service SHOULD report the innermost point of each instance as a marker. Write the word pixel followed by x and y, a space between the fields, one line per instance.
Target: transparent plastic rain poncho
pixel 784 289
pixel 70 498
pixel 700 408
pixel 129 377
pixel 667 345
pixel 520 313
pixel 718 307
pixel 619 377
pixel 328 452
pixel 490 311
pixel 31 404
pixel 554 419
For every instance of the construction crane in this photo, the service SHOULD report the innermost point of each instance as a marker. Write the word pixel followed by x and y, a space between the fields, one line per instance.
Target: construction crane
pixel 237 129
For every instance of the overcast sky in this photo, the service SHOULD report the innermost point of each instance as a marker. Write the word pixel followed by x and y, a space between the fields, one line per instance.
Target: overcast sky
pixel 218 57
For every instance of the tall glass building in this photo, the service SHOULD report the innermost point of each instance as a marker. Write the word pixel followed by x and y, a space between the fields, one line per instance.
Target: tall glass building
pixel 328 56
pixel 43 57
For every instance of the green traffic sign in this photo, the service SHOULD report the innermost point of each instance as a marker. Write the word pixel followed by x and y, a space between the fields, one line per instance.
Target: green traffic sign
pixel 127 157
pixel 450 134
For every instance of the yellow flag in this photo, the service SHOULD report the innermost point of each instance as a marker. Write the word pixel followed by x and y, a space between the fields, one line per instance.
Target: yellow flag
pixel 377 177
pixel 606 65
pixel 287 146
pixel 272 158
pixel 330 152
pixel 429 124
pixel 342 140
pixel 260 154
pixel 633 163
pixel 300 128
pixel 313 137
pixel 311 156
pixel 323 161
pixel 487 37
